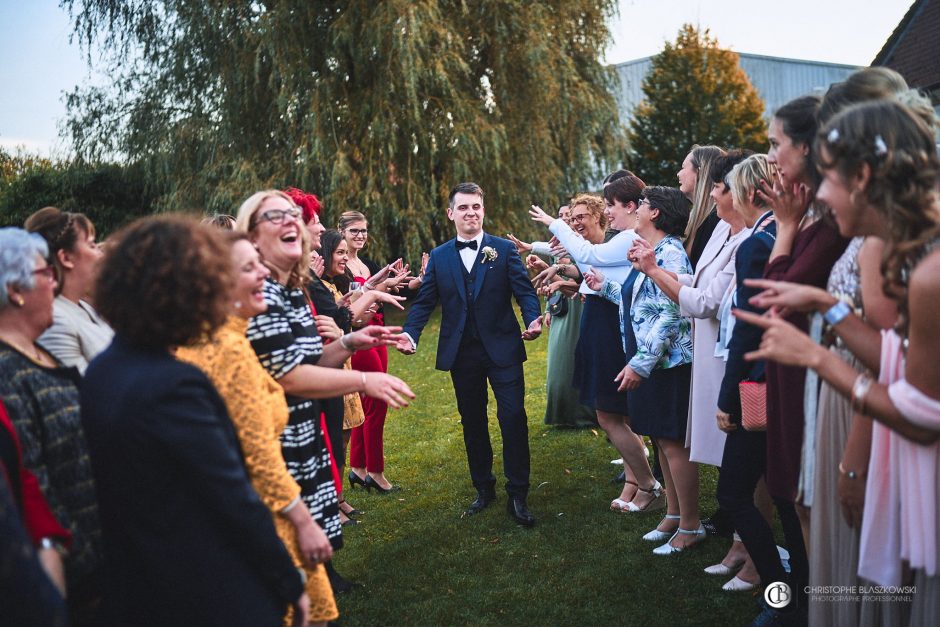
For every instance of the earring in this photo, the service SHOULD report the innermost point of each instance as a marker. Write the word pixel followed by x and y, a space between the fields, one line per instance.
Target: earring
pixel 853 197
pixel 238 304
pixel 18 301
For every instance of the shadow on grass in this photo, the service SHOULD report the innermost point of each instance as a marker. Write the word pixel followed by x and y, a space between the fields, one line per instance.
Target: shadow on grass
pixel 421 563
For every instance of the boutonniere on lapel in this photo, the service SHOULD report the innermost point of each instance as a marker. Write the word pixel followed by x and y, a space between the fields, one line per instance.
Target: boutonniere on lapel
pixel 489 254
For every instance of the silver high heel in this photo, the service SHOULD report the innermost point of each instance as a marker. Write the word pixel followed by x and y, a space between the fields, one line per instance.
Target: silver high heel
pixel 658 536
pixel 668 549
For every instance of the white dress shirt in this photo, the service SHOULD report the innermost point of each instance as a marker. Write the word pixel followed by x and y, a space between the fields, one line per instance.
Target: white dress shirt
pixel 469 256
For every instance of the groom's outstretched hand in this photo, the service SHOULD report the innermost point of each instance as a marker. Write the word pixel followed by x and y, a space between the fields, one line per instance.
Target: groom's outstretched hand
pixel 404 345
pixel 534 330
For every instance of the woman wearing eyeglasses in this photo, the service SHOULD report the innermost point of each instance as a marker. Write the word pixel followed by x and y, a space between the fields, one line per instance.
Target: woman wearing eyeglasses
pixel 366 445
pixel 287 342
pixel 77 333
pixel 41 398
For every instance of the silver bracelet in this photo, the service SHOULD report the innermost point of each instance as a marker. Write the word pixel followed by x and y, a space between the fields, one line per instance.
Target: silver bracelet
pixel 344 342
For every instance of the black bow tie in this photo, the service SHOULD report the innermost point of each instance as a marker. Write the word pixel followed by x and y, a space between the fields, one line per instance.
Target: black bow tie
pixel 472 244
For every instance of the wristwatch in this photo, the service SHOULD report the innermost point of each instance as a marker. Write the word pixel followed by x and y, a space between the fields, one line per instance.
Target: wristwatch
pixel 837 313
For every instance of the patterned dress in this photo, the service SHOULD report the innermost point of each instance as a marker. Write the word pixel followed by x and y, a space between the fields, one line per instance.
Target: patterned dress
pixel 256 404
pixel 284 337
pixel 43 405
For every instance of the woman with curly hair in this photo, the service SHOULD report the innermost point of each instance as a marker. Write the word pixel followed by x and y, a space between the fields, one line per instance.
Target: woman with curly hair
pixel 188 540
pixel 77 333
pixel 599 353
pixel 881 173
pixel 259 412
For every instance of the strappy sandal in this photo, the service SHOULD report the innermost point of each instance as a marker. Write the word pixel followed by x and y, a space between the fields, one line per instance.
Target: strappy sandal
pixel 657 502
pixel 618 504
pixel 658 536
pixel 668 549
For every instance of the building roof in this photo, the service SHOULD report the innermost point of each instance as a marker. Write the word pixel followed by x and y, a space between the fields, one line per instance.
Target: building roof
pixel 777 79
pixel 913 49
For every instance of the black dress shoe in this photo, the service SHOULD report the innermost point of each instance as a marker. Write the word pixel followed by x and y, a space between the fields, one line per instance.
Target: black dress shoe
pixel 355 479
pixel 372 483
pixel 519 512
pixel 482 502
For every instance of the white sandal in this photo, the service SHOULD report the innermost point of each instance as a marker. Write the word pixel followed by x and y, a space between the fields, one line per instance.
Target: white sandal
pixel 724 571
pixel 739 585
pixel 668 549
pixel 618 504
pixel 658 501
pixel 658 536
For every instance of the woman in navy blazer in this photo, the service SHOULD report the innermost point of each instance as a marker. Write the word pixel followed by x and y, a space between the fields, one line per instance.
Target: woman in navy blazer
pixel 187 540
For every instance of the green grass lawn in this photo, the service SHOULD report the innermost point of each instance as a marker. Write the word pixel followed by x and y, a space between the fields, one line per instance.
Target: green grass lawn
pixel 421 563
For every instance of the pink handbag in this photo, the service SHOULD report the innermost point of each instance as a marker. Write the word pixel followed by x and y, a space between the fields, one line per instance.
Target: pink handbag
pixel 753 405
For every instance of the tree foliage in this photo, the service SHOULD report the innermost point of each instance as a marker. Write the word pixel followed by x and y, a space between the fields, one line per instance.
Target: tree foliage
pixel 378 106
pixel 695 93
pixel 109 194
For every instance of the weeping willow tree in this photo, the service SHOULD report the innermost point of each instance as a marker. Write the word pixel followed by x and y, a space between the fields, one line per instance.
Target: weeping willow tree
pixel 378 106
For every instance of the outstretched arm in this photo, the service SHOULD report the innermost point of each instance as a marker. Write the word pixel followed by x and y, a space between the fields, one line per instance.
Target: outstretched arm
pixel 424 303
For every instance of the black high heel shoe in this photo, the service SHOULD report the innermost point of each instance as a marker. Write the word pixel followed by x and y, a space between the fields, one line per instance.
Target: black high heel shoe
pixel 372 483
pixel 356 479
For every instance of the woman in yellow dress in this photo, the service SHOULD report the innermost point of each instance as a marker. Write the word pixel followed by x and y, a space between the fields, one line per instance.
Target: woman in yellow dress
pixel 259 412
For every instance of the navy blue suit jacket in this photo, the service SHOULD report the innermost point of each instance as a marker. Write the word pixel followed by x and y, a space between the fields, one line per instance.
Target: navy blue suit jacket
pixel 497 282
pixel 749 263
pixel 187 540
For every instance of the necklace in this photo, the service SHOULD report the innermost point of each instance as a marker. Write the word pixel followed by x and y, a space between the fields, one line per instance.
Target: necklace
pixel 34 355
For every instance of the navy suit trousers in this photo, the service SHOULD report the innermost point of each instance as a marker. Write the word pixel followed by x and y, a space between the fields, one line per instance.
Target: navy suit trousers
pixel 470 373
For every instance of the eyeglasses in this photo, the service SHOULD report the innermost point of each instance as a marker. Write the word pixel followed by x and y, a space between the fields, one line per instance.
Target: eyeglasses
pixel 355 232
pixel 49 272
pixel 643 201
pixel 579 218
pixel 276 216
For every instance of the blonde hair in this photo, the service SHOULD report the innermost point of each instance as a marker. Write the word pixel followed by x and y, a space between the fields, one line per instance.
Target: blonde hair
pixel 703 158
pixel 594 204
pixel 246 223
pixel 745 178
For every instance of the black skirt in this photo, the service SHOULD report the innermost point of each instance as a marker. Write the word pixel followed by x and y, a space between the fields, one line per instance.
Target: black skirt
pixel 661 403
pixel 598 357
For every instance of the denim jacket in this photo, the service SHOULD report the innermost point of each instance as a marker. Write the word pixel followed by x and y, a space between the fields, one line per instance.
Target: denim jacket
pixel 663 336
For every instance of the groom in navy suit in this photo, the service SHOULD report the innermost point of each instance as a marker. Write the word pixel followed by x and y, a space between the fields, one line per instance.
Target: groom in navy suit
pixel 474 277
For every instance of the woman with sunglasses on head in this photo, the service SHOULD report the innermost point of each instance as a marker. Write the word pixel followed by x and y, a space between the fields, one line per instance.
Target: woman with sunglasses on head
pixel 42 399
pixel 287 342
pixel 599 354
pixel 366 446
pixel 77 333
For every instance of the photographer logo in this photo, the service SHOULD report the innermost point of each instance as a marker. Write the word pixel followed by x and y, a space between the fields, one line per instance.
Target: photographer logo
pixel 778 595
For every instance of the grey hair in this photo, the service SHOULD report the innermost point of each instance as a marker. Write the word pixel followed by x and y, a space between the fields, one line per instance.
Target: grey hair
pixel 18 250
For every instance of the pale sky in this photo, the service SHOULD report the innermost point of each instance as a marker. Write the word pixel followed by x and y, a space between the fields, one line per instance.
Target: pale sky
pixel 40 65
